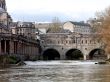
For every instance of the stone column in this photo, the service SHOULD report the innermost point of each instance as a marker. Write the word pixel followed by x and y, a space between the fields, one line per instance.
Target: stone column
pixel 23 49
pixel 62 53
pixel 62 56
pixel 18 47
pixel 85 57
pixel 31 50
pixel 5 46
pixel 108 56
pixel 0 48
pixel 11 47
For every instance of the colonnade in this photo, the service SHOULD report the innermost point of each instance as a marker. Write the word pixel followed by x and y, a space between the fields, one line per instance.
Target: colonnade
pixel 19 47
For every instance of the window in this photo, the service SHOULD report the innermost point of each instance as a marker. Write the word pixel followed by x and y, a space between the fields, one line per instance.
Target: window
pixel 66 41
pixel 74 41
pixel 58 42
pixel 86 41
pixel 82 42
pixel 69 42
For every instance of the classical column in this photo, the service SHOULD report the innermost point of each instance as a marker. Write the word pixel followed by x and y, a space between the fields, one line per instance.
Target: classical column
pixel 85 58
pixel 18 47
pixel 23 48
pixel 31 50
pixel 5 46
pixel 28 50
pixel 0 48
pixel 11 47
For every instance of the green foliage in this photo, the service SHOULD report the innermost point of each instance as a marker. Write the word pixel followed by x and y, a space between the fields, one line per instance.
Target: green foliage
pixel 13 60
pixel 8 59
pixel 3 59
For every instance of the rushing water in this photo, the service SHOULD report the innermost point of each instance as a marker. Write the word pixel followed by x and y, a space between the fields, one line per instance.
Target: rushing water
pixel 57 71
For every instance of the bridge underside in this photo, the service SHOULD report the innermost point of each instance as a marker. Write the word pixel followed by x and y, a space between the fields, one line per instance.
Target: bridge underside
pixel 74 54
pixel 51 54
pixel 97 54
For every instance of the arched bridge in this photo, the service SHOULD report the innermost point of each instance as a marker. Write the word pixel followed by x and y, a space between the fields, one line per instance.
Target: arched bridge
pixel 71 46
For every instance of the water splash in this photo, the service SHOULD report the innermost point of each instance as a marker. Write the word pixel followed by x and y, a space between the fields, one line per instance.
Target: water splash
pixel 61 62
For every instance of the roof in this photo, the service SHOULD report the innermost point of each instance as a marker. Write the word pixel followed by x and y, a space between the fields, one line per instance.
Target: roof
pixel 25 24
pixel 80 23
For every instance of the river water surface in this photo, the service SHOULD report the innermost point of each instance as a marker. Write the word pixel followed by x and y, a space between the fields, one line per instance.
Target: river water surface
pixel 57 71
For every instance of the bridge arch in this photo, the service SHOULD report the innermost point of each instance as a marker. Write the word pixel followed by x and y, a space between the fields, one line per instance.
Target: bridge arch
pixel 51 54
pixel 97 54
pixel 74 54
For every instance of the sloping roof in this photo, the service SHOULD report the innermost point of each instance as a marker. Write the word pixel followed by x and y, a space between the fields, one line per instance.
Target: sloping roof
pixel 25 24
pixel 80 23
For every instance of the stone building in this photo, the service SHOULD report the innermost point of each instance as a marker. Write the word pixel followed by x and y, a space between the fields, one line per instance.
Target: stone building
pixel 24 28
pixel 3 4
pixel 5 18
pixel 15 41
pixel 78 27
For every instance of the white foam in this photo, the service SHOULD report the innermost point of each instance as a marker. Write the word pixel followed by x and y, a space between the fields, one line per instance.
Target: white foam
pixel 59 62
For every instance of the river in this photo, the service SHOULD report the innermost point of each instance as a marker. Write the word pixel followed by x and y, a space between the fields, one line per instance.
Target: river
pixel 57 71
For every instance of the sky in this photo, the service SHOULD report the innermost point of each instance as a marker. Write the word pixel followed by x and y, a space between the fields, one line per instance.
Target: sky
pixel 46 10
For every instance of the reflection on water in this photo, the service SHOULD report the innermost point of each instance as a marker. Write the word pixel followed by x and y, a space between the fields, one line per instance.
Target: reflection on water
pixel 57 71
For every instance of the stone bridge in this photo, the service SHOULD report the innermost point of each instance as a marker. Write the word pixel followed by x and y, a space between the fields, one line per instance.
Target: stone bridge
pixel 71 46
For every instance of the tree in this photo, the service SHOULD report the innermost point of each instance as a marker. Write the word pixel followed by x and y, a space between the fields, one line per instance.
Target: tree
pixel 103 29
pixel 55 26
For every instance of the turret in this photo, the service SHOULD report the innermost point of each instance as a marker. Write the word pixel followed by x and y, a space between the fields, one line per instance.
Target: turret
pixel 3 4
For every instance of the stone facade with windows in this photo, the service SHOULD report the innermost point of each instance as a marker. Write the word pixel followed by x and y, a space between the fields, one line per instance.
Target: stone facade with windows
pixel 77 27
pixel 24 28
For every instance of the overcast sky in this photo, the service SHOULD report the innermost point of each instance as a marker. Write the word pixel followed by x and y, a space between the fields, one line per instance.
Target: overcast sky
pixel 45 10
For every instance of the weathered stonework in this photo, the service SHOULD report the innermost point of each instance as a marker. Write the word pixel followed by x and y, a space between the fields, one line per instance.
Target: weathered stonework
pixel 63 42
pixel 16 45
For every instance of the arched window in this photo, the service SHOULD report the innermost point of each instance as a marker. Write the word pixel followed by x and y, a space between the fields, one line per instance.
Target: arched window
pixel 82 42
pixel 90 41
pixel 86 41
